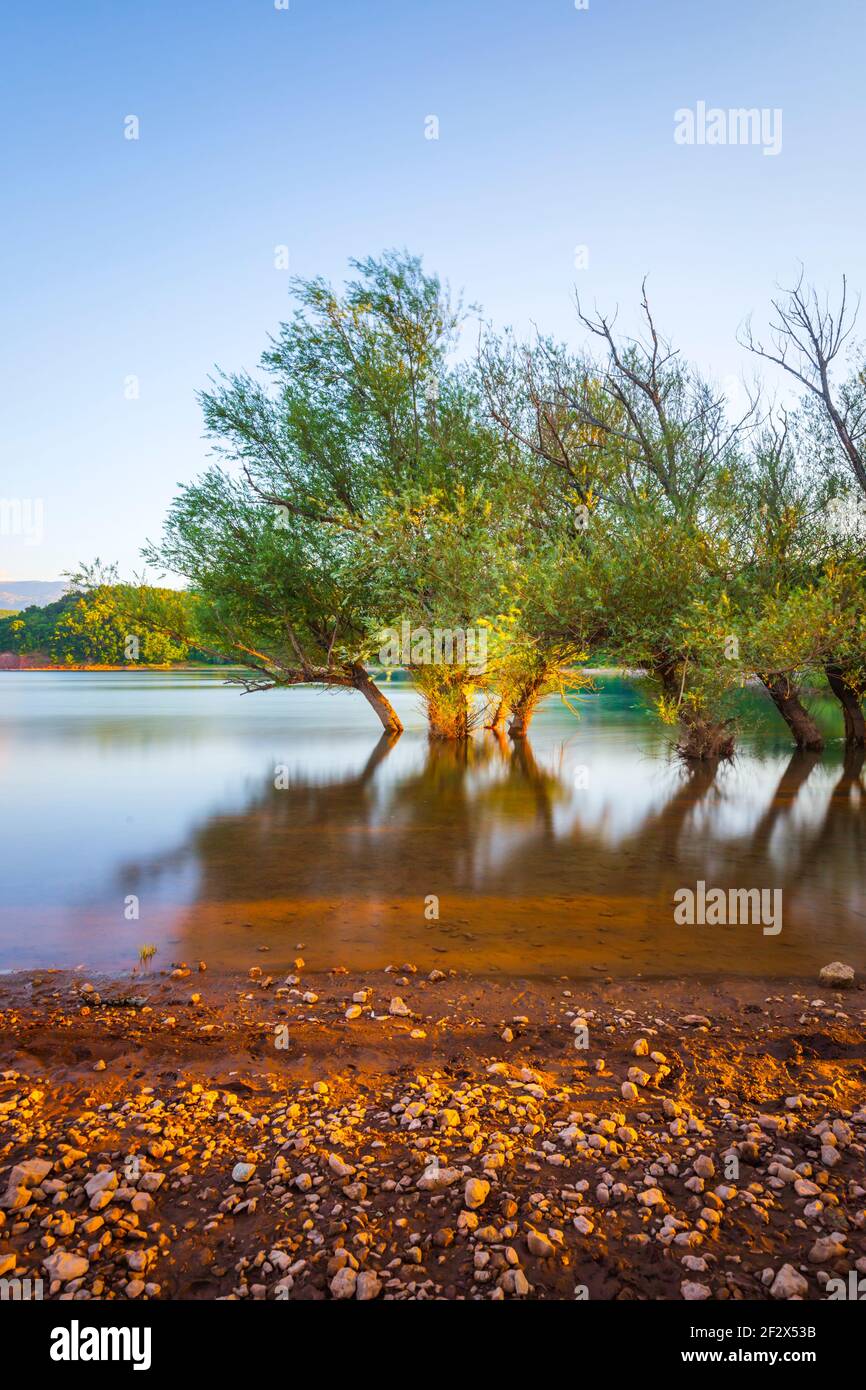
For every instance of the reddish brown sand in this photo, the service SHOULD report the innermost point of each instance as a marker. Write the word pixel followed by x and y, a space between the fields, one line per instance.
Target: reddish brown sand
pixel 746 1140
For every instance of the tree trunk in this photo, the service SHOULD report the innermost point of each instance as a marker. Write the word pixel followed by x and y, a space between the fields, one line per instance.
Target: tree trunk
pixel 449 695
pixel 524 708
pixel 498 716
pixel 786 698
pixel 855 726
pixel 381 704
pixel 449 719
pixel 701 738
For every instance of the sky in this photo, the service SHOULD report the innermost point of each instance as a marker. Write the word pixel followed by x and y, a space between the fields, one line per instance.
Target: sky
pixel 132 267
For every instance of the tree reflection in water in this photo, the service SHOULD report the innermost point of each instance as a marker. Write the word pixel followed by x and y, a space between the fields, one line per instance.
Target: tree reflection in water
pixel 533 875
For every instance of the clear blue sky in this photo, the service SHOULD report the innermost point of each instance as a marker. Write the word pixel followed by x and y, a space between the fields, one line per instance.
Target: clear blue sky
pixel 261 127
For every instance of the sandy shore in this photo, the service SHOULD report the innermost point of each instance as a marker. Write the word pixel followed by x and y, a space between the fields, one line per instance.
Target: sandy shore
pixel 202 1136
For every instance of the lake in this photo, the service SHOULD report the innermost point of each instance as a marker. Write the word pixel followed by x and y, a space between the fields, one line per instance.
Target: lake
pixel 281 820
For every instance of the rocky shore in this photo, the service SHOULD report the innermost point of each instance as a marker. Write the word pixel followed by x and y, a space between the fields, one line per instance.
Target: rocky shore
pixel 186 1135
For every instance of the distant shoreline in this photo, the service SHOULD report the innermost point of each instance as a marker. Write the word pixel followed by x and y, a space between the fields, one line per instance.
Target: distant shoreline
pixel 127 666
pixel 208 666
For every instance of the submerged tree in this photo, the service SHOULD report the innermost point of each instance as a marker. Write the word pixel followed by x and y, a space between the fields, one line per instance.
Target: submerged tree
pixel 508 519
pixel 285 603
pixel 359 409
pixel 560 468
pixel 777 526
pixel 439 568
pixel 807 337
pixel 638 451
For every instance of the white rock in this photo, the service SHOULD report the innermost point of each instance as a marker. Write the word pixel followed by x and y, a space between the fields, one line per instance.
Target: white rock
pixel 436 1179
pixel 652 1197
pixel 837 975
pixel 343 1283
pixel 367 1285
pixel 101 1182
pixel 693 1292
pixel 789 1284
pixel 63 1266
pixel 340 1167
pixel 828 1248
pixel 30 1173
pixel 514 1281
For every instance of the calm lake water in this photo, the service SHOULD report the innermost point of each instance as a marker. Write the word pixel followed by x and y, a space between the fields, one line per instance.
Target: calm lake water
pixel 559 857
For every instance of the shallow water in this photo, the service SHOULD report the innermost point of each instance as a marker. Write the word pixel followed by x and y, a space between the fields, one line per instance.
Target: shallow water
pixel 559 857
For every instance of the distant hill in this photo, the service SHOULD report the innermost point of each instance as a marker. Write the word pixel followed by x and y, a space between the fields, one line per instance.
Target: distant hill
pixel 16 594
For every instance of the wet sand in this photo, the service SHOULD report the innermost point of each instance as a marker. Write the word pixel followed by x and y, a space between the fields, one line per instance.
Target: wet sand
pixel 199 1135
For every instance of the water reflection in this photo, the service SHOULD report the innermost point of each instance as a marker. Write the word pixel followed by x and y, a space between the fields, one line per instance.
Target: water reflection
pixel 527 876
pixel 559 856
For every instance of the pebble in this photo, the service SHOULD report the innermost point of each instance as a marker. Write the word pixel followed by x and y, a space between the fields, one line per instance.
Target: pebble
pixel 340 1167
pixel 343 1282
pixel 514 1282
pixel 789 1284
pixel 837 975
pixel 476 1192
pixel 367 1285
pixel 652 1197
pixel 693 1292
pixel 539 1245
pixel 436 1179
pixel 63 1266
pixel 553 1143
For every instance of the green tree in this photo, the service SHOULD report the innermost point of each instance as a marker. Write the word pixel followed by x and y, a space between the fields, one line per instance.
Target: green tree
pixel 806 340
pixel 358 408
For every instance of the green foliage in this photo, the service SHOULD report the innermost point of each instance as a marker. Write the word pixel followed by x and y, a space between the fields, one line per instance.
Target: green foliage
pixel 98 627
pixel 32 630
pixel 285 543
pixel 572 507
